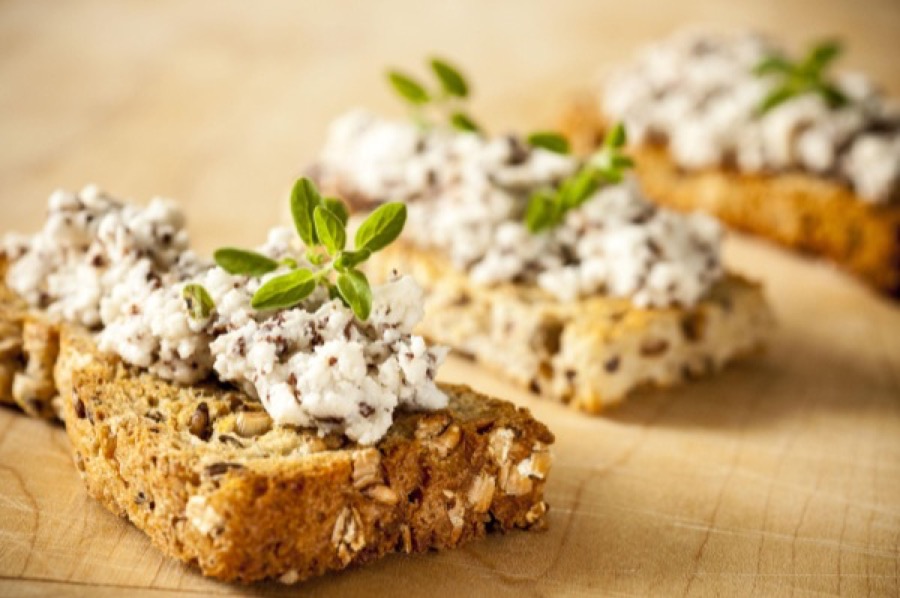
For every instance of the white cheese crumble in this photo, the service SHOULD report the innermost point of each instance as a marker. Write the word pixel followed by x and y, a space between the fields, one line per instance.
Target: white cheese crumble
pixel 467 196
pixel 697 92
pixel 314 365
pixel 90 243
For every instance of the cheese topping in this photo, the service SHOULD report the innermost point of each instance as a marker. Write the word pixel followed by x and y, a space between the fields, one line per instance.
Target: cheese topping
pixel 698 93
pixel 467 197
pixel 313 365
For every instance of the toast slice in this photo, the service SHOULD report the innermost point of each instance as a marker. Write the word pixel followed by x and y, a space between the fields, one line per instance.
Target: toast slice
pixel 797 210
pixel 204 474
pixel 588 353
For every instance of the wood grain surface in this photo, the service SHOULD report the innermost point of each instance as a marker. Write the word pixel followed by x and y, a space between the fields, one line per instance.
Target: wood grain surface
pixel 779 477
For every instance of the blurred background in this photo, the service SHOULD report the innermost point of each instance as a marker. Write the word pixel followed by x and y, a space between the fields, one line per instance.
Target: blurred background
pixel 221 104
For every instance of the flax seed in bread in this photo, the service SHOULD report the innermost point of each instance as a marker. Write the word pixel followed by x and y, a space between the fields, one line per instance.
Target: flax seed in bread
pixel 203 472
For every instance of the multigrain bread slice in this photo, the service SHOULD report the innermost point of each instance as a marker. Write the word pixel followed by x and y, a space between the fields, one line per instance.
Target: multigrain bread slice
pixel 589 353
pixel 204 474
pixel 801 211
pixel 29 345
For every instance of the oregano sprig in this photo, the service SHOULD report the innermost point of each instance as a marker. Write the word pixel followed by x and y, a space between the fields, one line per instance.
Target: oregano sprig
pixel 547 207
pixel 321 223
pixel 447 100
pixel 447 103
pixel 802 77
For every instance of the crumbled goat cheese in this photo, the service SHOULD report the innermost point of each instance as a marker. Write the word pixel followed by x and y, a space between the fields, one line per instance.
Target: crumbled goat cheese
pixel 467 196
pixel 89 244
pixel 311 365
pixel 697 92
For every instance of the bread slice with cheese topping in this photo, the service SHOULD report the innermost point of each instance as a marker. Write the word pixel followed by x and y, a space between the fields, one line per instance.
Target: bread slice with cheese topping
pixel 202 471
pixel 588 353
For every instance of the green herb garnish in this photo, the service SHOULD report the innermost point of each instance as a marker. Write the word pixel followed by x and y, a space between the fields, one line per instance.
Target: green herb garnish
pixel 197 300
pixel 549 140
pixel 446 101
pixel 547 207
pixel 803 77
pixel 321 224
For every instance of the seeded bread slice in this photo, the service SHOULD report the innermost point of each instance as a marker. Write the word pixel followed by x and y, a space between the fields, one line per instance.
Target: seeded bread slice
pixel 589 353
pixel 203 472
pixel 801 211
pixel 29 345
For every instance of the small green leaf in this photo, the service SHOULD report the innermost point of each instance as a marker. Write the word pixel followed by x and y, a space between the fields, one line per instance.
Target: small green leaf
pixel 452 81
pixel 541 210
pixel 330 230
pixel 350 259
pixel 338 208
pixel 777 96
pixel 408 88
pixel 578 189
pixel 462 122
pixel 550 141
pixel 832 96
pixel 773 65
pixel 288 261
pixel 243 262
pixel 616 137
pixel 382 227
pixel 354 288
pixel 197 300
pixel 621 162
pixel 821 55
pixel 304 200
pixel 284 291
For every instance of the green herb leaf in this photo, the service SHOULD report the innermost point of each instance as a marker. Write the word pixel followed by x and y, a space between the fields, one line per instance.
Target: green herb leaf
pixel 304 200
pixel 452 81
pixel 616 137
pixel 772 64
pixel 354 288
pixel 541 211
pixel 832 96
pixel 197 300
pixel 350 259
pixel 338 208
pixel 462 122
pixel 284 291
pixel 578 189
pixel 550 141
pixel 243 262
pixel 382 227
pixel 822 54
pixel 777 96
pixel 807 76
pixel 330 230
pixel 407 88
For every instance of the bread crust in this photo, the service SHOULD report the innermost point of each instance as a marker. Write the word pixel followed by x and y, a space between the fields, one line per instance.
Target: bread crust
pixel 589 353
pixel 282 502
pixel 801 211
pixel 29 344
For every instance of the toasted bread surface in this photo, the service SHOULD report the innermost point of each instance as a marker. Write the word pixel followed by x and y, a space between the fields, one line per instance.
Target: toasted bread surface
pixel 212 482
pixel 589 353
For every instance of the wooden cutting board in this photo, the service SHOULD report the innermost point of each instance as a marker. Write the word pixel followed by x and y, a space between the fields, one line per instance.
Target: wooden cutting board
pixel 779 476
